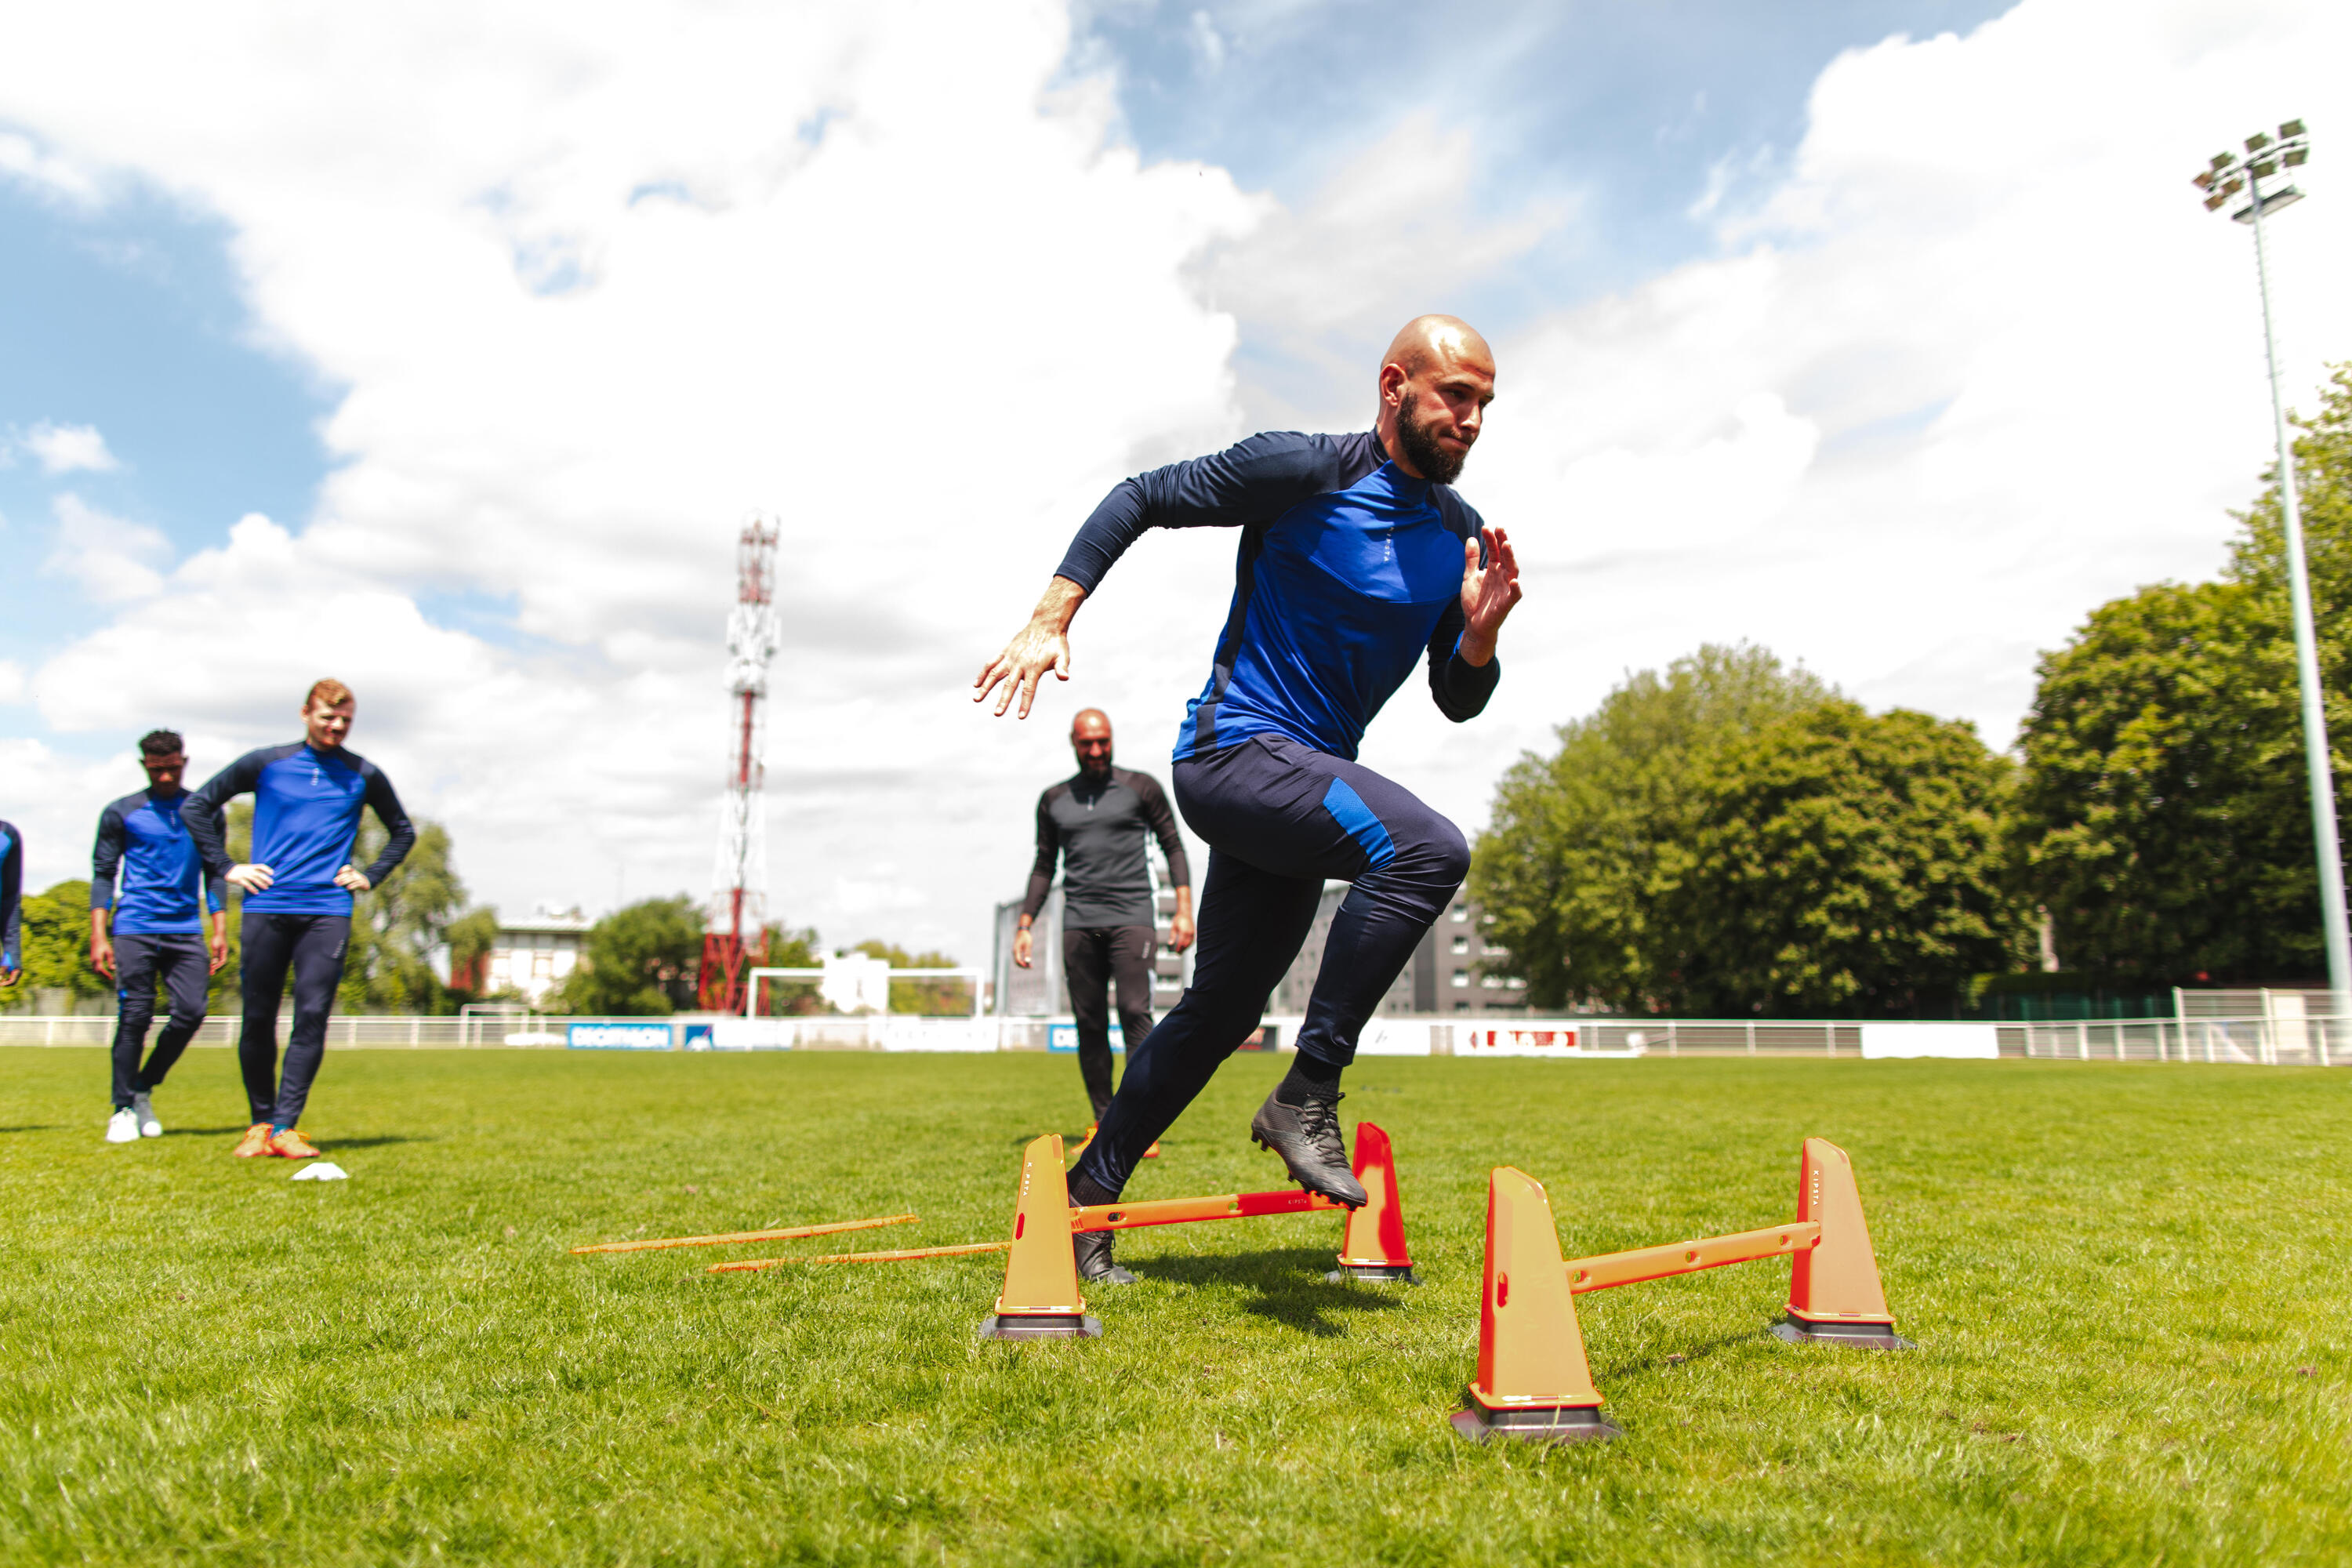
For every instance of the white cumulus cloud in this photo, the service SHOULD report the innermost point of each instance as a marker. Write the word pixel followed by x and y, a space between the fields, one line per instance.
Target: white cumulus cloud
pixel 67 448
pixel 112 559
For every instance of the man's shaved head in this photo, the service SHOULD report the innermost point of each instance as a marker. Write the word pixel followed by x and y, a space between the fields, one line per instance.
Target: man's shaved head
pixel 1426 341
pixel 1436 383
pixel 1090 740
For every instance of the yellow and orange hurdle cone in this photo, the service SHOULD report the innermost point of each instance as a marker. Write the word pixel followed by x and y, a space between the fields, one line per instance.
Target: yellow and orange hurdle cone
pixel 1041 1299
pixel 1534 1379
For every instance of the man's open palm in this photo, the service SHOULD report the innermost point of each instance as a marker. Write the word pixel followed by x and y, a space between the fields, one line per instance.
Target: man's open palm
pixel 1488 592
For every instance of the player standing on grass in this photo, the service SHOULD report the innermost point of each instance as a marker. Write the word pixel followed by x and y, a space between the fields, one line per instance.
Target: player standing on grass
pixel 1357 560
pixel 298 890
pixel 1094 823
pixel 158 928
pixel 12 888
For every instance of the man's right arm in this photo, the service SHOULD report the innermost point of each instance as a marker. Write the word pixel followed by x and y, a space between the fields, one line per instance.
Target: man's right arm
pixel 1254 481
pixel 105 860
pixel 201 810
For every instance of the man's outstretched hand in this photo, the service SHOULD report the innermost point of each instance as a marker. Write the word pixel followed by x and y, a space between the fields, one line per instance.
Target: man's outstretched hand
pixel 1043 644
pixel 1488 593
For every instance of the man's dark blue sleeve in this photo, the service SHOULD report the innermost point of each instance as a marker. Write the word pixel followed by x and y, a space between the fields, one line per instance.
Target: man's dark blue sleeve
pixel 1162 823
pixel 106 860
pixel 1049 855
pixel 203 808
pixel 1253 482
pixel 401 833
pixel 1460 687
pixel 12 900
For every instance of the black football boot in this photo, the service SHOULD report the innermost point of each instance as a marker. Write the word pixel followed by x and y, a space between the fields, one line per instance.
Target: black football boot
pixel 1307 1136
pixel 1092 1249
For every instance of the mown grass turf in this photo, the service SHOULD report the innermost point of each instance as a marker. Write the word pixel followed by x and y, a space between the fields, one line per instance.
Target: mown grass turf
pixel 2129 1285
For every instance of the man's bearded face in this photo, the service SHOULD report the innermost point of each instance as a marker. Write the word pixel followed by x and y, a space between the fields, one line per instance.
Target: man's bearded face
pixel 1417 437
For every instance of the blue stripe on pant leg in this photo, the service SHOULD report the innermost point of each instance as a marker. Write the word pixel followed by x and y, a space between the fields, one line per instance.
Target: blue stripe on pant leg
pixel 1356 820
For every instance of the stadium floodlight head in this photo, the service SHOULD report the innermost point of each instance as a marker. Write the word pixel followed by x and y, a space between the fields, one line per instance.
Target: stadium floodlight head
pixel 2222 179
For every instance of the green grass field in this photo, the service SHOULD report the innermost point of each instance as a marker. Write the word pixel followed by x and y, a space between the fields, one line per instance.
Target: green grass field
pixel 2129 1286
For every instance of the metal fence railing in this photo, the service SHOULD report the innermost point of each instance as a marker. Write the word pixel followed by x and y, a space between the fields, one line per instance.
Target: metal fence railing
pixel 2276 1039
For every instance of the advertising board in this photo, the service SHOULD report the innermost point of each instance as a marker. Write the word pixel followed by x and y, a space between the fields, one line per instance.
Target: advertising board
pixel 616 1036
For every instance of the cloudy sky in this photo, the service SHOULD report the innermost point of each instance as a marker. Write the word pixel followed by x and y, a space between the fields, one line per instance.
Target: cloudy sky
pixel 444 348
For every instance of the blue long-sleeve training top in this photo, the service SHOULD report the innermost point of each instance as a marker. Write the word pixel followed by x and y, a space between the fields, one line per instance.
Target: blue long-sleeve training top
pixel 164 885
pixel 12 896
pixel 1350 570
pixel 306 817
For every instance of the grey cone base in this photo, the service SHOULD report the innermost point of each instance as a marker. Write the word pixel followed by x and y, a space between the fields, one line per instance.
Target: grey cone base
pixel 1857 1336
pixel 1372 1273
pixel 1039 1326
pixel 1560 1423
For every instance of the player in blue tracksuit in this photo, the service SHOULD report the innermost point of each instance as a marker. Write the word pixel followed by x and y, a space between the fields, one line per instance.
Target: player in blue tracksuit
pixel 12 889
pixel 155 930
pixel 1356 561
pixel 297 915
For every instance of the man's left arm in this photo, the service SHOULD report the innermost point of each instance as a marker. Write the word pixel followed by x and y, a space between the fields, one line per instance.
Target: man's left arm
pixel 1162 823
pixel 11 913
pixel 1462 669
pixel 400 833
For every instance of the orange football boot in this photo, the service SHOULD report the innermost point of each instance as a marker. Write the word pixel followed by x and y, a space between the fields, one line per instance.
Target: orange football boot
pixel 291 1145
pixel 255 1142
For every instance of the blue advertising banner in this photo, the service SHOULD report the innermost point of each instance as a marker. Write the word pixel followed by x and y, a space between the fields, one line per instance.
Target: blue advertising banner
pixel 697 1037
pixel 617 1036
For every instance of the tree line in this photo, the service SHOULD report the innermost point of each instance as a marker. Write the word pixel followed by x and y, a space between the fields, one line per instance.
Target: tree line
pixel 643 958
pixel 1735 838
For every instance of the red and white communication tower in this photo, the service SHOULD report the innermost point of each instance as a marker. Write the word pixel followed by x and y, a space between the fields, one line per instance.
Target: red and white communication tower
pixel 738 897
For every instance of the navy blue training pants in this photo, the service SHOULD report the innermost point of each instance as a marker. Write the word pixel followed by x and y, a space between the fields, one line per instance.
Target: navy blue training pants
pixel 312 947
pixel 1280 819
pixel 185 966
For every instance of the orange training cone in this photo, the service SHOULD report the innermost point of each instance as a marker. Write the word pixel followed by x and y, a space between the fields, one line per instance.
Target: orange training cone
pixel 1373 1247
pixel 1533 1380
pixel 1041 1300
pixel 1834 1296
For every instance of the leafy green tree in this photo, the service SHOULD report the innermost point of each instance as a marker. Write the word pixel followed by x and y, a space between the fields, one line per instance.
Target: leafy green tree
pixel 471 938
pixel 1587 846
pixel 1844 863
pixel 644 958
pixel 397 924
pixel 2164 819
pixel 54 948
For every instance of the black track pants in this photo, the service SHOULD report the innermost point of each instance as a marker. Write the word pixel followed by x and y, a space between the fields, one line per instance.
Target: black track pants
pixel 1093 958
pixel 312 947
pixel 1280 818
pixel 139 960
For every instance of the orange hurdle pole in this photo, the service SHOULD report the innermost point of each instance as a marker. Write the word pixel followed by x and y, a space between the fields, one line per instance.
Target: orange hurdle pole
pixel 1186 1211
pixel 752 1266
pixel 1689 1256
pixel 787 1234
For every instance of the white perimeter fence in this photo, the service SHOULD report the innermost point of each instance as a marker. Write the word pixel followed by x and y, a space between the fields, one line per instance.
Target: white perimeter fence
pixel 2274 1039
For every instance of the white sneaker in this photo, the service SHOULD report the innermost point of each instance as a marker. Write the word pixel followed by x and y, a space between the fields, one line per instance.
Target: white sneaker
pixel 145 1108
pixel 122 1127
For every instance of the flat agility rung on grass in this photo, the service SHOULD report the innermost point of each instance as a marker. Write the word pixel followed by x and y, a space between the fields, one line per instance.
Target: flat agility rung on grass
pixel 751 1266
pixel 787 1234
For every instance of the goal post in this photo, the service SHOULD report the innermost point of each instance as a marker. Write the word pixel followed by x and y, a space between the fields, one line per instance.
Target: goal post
pixel 848 990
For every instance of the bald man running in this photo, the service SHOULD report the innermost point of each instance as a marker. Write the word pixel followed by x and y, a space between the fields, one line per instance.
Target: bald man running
pixel 1356 561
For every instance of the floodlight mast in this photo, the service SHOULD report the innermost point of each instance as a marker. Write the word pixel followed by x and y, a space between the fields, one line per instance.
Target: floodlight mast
pixel 2223 178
